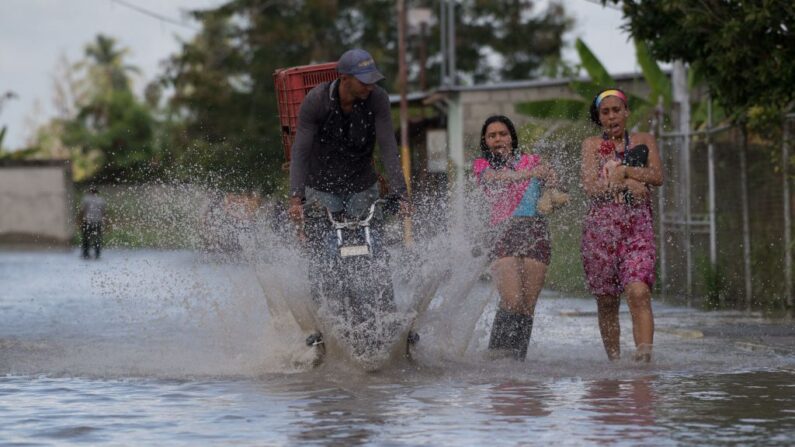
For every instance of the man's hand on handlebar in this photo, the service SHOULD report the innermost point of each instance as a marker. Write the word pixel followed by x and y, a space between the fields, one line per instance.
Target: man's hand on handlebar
pixel 395 203
pixel 295 212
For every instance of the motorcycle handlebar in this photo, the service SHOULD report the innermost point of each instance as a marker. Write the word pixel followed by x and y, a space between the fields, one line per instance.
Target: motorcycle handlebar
pixel 342 224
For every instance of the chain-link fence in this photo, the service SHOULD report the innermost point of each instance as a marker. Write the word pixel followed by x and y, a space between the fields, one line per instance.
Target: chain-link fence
pixel 723 255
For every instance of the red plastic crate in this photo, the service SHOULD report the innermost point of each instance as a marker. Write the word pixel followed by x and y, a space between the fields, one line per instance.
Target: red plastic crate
pixel 292 85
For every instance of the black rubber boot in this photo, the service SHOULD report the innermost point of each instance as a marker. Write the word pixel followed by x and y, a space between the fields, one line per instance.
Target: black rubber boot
pixel 510 333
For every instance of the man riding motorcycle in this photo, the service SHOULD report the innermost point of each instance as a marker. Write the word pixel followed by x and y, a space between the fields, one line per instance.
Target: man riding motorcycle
pixel 331 166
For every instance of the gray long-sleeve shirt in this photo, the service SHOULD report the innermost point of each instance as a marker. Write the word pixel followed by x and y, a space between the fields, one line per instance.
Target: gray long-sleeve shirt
pixel 93 208
pixel 314 110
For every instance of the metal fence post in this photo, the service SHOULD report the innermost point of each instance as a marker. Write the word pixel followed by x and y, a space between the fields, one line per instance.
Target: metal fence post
pixel 746 218
pixel 661 204
pixel 713 226
pixel 682 96
pixel 787 219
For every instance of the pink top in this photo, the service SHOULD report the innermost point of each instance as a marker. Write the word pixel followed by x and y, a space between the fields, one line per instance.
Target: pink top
pixel 504 197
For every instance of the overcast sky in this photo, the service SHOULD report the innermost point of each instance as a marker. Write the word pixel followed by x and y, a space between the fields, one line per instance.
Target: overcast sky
pixel 34 34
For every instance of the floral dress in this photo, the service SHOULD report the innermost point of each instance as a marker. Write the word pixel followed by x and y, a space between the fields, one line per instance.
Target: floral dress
pixel 618 238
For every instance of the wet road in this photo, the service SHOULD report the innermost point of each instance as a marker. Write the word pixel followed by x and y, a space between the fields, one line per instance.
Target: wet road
pixel 166 348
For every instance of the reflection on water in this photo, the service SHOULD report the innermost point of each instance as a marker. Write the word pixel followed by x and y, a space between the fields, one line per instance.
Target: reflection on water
pixel 516 400
pixel 740 408
pixel 158 348
pixel 622 409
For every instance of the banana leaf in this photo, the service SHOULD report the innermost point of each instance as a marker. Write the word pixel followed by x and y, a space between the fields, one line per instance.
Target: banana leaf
pixel 637 103
pixel 586 89
pixel 593 66
pixel 656 79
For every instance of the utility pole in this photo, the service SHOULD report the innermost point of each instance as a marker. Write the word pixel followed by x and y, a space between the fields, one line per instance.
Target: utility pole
pixel 447 41
pixel 443 42
pixel 417 19
pixel 423 57
pixel 405 156
pixel 451 70
pixel 404 104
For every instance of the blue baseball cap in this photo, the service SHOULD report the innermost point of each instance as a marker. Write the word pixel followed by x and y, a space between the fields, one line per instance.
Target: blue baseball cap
pixel 360 64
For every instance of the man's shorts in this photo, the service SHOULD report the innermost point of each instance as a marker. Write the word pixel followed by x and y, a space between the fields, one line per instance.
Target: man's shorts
pixel 354 204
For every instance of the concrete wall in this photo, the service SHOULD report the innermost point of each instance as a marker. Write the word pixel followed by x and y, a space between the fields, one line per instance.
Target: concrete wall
pixel 480 102
pixel 36 202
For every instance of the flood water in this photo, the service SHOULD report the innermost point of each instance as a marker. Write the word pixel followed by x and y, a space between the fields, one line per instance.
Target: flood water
pixel 169 348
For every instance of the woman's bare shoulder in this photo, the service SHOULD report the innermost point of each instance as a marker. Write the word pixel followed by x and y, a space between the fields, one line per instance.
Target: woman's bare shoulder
pixel 642 138
pixel 592 141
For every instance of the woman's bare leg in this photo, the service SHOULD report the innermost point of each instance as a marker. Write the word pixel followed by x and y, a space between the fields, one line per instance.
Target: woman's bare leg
pixel 639 301
pixel 607 307
pixel 533 272
pixel 510 332
pixel 507 276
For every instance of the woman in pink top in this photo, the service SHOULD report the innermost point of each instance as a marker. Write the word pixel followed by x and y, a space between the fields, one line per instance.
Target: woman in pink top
pixel 512 184
pixel 618 250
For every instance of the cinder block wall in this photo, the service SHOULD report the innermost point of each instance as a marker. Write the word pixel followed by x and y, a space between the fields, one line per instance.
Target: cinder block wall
pixel 36 202
pixel 480 102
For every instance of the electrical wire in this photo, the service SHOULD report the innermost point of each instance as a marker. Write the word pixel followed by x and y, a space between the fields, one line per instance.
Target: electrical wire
pixel 605 5
pixel 154 15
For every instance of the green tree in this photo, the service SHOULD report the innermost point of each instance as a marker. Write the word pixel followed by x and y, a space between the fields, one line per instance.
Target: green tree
pixel 102 127
pixel 109 121
pixel 223 106
pixel 502 40
pixel 222 102
pixel 5 97
pixel 104 63
pixel 121 128
pixel 745 51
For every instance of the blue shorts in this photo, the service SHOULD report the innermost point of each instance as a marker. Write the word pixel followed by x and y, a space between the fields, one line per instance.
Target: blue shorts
pixel 354 204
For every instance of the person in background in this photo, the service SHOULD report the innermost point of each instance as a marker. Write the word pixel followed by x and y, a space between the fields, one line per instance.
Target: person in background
pixel 618 252
pixel 91 217
pixel 512 183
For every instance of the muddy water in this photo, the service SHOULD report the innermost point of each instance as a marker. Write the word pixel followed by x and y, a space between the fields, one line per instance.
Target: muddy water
pixel 173 348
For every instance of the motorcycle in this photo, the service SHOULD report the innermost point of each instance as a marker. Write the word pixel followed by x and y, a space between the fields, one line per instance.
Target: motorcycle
pixel 351 284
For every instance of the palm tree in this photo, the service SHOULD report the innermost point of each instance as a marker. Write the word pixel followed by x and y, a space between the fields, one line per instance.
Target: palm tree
pixel 6 96
pixel 104 62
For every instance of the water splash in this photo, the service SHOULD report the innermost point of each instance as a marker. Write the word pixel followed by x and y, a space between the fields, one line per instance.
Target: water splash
pixel 235 299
